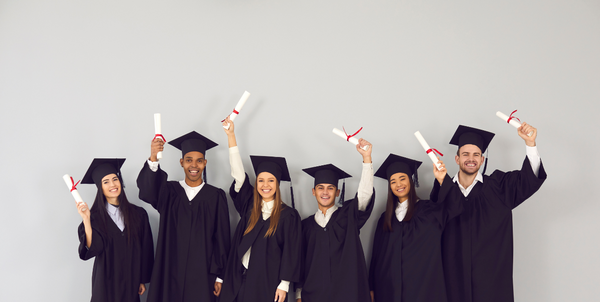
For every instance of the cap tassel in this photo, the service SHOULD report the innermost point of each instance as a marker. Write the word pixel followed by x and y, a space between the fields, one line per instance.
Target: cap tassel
pixel 485 164
pixel 292 194
pixel 343 193
pixel 204 174
pixel 416 177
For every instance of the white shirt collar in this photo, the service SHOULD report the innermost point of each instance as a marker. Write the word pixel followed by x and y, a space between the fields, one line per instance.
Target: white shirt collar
pixel 191 192
pixel 478 178
pixel 322 219
pixel 115 214
pixel 267 208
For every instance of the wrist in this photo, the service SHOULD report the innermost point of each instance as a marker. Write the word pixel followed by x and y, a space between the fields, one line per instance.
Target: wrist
pixel 367 159
pixel 530 144
pixel 153 158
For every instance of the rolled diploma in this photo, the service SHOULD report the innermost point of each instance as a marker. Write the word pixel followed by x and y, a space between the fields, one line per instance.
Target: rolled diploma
pixel 426 147
pixel 238 107
pixel 69 183
pixel 353 140
pixel 513 122
pixel 157 130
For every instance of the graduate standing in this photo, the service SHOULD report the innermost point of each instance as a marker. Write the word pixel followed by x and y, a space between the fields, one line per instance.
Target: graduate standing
pixel 118 234
pixel 333 262
pixel 406 262
pixel 193 238
pixel 477 246
pixel 265 251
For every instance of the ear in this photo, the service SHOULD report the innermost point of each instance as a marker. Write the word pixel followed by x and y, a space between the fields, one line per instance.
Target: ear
pixel 181 162
pixel 314 192
pixel 456 159
pixel 205 161
pixel 337 194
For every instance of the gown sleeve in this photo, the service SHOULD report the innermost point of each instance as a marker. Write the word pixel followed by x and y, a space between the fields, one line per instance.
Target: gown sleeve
pixel 97 246
pixel 375 253
pixel 243 199
pixel 517 186
pixel 151 185
pixel 450 200
pixel 221 237
pixel 147 253
pixel 289 270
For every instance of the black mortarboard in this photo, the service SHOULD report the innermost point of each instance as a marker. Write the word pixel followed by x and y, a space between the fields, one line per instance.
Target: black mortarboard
pixel 395 164
pixel 328 174
pixel 101 167
pixel 193 141
pixel 467 135
pixel 274 165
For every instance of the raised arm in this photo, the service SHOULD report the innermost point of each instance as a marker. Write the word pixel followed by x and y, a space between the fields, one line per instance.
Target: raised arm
pixel 235 160
pixel 365 186
pixel 531 147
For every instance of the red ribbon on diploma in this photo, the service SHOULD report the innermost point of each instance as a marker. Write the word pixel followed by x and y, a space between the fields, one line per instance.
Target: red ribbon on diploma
pixel 160 136
pixel 234 111
pixel 510 117
pixel 434 151
pixel 74 187
pixel 349 136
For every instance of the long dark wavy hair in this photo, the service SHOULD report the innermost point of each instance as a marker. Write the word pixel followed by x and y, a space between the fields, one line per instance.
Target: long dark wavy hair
pixel 126 208
pixel 392 203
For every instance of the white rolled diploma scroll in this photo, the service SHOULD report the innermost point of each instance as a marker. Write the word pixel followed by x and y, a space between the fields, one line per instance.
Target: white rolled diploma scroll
pixel 158 130
pixel 425 146
pixel 70 184
pixel 343 135
pixel 238 107
pixel 513 122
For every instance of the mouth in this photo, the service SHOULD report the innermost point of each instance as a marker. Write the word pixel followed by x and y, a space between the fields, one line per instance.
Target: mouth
pixel 400 190
pixel 114 190
pixel 470 165
pixel 266 191
pixel 194 172
pixel 326 197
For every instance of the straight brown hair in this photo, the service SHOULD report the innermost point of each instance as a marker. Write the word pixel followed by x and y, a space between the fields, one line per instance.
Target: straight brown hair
pixel 278 206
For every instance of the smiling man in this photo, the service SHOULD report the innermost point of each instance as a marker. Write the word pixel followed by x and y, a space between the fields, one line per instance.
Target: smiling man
pixel 477 246
pixel 333 262
pixel 193 238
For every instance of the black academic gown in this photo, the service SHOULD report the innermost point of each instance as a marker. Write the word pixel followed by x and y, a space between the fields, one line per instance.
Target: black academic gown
pixel 120 266
pixel 272 259
pixel 193 238
pixel 477 246
pixel 406 264
pixel 333 262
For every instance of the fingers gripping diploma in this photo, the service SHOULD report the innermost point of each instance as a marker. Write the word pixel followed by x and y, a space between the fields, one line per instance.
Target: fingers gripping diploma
pixel 441 172
pixel 280 295
pixel 83 210
pixel 524 131
pixel 366 154
pixel 217 290
pixel 156 146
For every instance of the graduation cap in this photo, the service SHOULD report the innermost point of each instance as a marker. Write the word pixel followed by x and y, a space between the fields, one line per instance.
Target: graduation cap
pixel 328 174
pixel 101 167
pixel 397 164
pixel 193 141
pixel 465 135
pixel 274 165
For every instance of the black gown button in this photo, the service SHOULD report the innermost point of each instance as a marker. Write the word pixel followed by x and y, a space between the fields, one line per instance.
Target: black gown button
pixel 325 229
pixel 190 203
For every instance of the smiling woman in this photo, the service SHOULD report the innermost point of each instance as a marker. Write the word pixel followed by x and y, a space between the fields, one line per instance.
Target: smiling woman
pixel 265 254
pixel 406 263
pixel 117 234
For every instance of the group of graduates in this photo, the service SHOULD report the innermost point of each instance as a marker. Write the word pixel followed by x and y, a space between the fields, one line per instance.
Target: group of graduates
pixel 455 247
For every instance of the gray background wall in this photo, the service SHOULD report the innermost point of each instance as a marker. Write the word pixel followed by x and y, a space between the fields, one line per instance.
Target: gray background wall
pixel 81 79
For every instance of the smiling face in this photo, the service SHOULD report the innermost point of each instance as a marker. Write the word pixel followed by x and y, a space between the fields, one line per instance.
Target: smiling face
pixel 325 194
pixel 266 185
pixel 400 185
pixel 193 164
pixel 111 187
pixel 469 159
